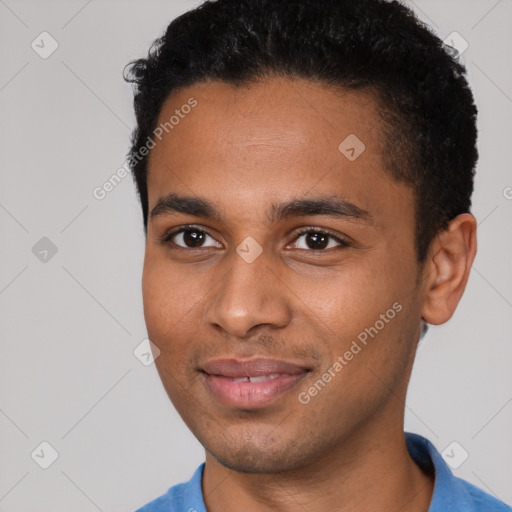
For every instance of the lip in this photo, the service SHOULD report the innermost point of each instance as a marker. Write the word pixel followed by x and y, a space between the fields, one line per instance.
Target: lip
pixel 229 380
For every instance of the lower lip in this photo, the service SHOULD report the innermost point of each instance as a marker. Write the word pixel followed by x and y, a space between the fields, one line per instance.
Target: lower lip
pixel 250 395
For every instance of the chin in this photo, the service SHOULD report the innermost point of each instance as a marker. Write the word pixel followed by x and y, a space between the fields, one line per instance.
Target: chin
pixel 261 457
pixel 259 463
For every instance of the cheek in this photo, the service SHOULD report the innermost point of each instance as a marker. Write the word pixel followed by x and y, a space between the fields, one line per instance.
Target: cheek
pixel 361 315
pixel 167 298
pixel 346 301
pixel 174 299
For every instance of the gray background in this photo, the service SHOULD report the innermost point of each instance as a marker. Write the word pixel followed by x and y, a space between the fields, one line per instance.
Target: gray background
pixel 69 325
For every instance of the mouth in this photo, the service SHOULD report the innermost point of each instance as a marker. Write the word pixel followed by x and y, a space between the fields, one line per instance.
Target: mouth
pixel 253 383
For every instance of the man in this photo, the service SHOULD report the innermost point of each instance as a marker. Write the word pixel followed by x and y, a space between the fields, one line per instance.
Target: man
pixel 305 171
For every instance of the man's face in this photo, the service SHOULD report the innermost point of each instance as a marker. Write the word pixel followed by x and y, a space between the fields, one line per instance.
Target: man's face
pixel 244 294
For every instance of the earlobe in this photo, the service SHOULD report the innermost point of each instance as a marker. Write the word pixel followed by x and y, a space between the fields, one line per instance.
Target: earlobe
pixel 453 253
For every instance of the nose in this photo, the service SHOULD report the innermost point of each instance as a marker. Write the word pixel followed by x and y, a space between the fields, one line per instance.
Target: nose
pixel 250 295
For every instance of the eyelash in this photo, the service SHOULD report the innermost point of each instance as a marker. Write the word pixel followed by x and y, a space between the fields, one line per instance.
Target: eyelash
pixel 167 238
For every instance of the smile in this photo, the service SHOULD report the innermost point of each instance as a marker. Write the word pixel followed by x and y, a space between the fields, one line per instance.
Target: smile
pixel 250 384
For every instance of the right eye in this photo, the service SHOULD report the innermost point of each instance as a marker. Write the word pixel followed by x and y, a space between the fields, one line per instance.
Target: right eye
pixel 188 237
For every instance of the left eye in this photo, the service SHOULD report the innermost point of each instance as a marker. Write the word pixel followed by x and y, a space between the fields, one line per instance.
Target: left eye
pixel 319 240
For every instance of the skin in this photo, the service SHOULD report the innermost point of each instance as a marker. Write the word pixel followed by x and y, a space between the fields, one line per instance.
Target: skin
pixel 244 148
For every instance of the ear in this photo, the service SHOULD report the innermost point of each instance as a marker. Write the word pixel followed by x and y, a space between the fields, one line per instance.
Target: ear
pixel 450 259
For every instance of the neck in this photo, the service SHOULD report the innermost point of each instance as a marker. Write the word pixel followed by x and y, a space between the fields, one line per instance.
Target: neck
pixel 370 470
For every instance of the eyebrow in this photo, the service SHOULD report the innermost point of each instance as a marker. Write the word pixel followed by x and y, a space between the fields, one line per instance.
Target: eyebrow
pixel 332 206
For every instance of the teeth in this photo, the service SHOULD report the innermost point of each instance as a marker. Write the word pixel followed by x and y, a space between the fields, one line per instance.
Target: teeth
pixel 242 379
pixel 261 378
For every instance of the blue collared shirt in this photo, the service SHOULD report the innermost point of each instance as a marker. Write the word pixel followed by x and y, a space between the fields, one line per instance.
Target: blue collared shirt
pixel 451 494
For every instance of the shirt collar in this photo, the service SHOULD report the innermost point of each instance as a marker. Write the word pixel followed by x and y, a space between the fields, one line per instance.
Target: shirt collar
pixel 450 493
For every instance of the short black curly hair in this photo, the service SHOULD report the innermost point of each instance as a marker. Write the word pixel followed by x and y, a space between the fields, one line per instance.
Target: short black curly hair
pixel 376 46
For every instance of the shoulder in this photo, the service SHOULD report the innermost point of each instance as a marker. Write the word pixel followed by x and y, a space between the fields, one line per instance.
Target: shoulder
pixel 172 500
pixel 183 497
pixel 479 500
pixel 450 492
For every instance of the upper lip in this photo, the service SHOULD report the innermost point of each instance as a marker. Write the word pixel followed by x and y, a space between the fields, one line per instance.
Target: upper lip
pixel 237 368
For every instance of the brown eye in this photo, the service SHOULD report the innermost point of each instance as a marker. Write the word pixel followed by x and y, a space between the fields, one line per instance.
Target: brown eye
pixel 193 238
pixel 318 240
pixel 190 238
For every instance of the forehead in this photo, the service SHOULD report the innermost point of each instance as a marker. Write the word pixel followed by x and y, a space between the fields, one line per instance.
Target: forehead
pixel 278 112
pixel 271 139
